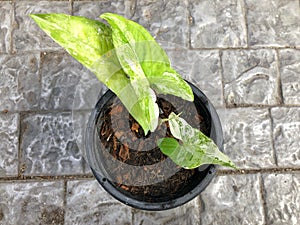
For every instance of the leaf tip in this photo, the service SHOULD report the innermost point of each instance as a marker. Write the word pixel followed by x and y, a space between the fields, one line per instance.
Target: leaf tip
pixel 191 97
pixel 232 165
pixel 33 16
pixel 108 15
pixel 38 17
pixel 189 94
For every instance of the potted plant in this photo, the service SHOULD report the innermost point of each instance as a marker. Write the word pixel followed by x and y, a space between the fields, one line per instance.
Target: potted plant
pixel 153 138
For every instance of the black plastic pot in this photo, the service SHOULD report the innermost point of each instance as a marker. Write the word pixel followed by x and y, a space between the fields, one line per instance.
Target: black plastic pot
pixel 189 190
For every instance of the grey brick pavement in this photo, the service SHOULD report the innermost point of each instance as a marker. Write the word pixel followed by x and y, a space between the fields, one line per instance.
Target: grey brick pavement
pixel 244 54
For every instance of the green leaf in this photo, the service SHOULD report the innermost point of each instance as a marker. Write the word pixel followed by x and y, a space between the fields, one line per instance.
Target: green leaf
pixel 146 54
pixel 140 105
pixel 90 42
pixel 86 40
pixel 168 145
pixel 195 148
pixel 127 56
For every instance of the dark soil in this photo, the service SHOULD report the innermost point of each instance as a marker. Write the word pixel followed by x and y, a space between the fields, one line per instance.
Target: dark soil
pixel 134 163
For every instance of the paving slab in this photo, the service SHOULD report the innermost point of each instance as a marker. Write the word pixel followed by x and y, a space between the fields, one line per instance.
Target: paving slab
pixel 61 79
pixel 218 24
pixel 202 68
pixel 79 123
pixel 93 9
pixel 250 77
pixel 286 129
pixel 289 72
pixel 273 23
pixel 187 214
pixel 233 200
pixel 88 203
pixel 48 145
pixel 27 36
pixel 6 10
pixel 282 198
pixel 32 203
pixel 60 76
pixel 166 20
pixel 66 84
pixel 247 137
pixel 20 82
pixel 9 142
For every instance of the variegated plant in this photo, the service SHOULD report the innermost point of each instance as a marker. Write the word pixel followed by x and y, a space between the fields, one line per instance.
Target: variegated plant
pixel 126 58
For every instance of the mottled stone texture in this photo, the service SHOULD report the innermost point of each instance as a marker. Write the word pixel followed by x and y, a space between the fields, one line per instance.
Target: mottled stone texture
pixel 6 10
pixel 282 198
pixel 187 214
pixel 31 203
pixel 20 82
pixel 250 77
pixel 63 80
pixel 286 129
pixel 79 122
pixel 273 23
pixel 218 24
pixel 202 68
pixel 247 137
pixel 48 145
pixel 232 200
pixel 27 36
pixel 93 9
pixel 166 20
pixel 290 75
pixel 60 75
pixel 9 140
pixel 88 203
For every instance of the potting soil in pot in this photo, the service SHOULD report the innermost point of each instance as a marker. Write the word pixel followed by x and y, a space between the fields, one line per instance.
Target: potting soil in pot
pixel 133 162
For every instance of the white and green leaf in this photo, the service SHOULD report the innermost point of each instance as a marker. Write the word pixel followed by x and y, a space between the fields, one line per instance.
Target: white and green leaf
pixel 86 40
pixel 150 57
pixel 193 149
pixel 129 61
pixel 90 42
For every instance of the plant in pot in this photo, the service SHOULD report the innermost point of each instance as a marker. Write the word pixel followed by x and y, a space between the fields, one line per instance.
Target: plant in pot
pixel 153 139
